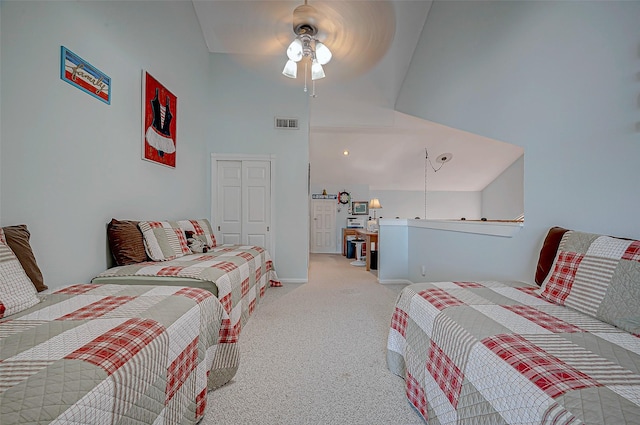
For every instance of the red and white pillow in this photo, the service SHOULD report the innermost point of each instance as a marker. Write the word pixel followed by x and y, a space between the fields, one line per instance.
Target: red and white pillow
pixel 201 230
pixel 164 240
pixel 17 292
pixel 598 276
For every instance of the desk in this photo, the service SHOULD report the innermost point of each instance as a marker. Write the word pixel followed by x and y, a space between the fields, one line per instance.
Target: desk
pixel 369 237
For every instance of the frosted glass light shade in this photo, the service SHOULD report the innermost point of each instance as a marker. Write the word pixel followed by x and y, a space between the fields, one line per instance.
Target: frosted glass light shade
pixel 294 51
pixel 290 69
pixel 323 54
pixel 316 71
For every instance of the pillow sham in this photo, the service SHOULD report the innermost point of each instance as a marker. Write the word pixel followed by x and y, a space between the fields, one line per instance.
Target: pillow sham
pixel 548 253
pixel 597 275
pixel 201 230
pixel 17 238
pixel 164 240
pixel 17 292
pixel 126 242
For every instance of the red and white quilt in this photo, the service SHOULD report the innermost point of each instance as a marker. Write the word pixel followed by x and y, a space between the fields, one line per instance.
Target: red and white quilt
pixel 238 275
pixel 89 354
pixel 497 353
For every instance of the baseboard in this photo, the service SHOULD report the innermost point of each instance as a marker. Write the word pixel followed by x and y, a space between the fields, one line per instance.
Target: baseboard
pixel 294 280
pixel 394 281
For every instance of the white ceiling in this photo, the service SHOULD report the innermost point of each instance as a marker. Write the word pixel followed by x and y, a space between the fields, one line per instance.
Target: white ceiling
pixel 372 44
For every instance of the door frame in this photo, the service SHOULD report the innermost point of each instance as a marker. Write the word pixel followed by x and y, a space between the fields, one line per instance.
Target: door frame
pixel 271 158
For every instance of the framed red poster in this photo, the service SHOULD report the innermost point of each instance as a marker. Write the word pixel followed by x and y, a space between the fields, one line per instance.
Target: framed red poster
pixel 159 112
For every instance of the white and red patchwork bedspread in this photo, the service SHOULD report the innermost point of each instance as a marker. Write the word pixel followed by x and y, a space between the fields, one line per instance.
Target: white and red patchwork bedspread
pixel 111 354
pixel 497 353
pixel 238 275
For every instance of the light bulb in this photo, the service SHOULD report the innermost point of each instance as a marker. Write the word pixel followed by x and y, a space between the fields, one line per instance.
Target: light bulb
pixel 316 70
pixel 294 52
pixel 323 54
pixel 290 69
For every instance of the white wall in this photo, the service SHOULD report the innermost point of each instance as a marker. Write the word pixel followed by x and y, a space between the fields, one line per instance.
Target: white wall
pixel 244 105
pixel 503 198
pixel 440 204
pixel 70 162
pixel 0 110
pixel 559 79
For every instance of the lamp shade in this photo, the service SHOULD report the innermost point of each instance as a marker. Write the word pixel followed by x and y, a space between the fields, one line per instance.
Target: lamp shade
pixel 316 70
pixel 374 204
pixel 290 69
pixel 295 51
pixel 323 54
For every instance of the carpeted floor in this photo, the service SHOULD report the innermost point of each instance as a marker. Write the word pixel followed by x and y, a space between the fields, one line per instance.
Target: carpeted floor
pixel 314 353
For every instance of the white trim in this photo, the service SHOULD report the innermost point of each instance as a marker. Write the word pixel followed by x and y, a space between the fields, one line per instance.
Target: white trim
pixel 491 228
pixel 395 282
pixel 294 280
pixel 393 221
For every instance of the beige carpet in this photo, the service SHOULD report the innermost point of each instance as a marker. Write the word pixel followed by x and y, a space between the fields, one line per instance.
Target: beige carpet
pixel 314 353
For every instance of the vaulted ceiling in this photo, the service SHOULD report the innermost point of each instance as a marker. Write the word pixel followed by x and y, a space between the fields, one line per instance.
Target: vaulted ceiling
pixel 372 44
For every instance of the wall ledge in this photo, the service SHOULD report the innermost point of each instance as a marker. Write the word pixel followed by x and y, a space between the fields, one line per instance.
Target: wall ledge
pixel 491 228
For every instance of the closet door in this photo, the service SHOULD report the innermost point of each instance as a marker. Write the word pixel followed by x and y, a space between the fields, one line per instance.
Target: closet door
pixel 242 207
pixel 229 203
pixel 256 198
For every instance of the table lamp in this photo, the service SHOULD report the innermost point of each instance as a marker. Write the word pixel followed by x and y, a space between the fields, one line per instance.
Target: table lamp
pixel 374 204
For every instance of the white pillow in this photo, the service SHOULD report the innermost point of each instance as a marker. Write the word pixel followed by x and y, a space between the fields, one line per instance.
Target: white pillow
pixel 17 292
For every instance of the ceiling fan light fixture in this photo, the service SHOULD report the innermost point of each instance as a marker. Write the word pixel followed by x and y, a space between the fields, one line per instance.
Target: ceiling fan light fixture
pixel 294 51
pixel 316 70
pixel 323 54
pixel 290 69
pixel 306 45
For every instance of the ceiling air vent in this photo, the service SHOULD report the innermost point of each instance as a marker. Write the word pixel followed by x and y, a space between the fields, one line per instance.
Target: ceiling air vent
pixel 287 123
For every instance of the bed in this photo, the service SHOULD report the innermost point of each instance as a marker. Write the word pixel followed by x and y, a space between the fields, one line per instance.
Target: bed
pixel 566 352
pixel 90 353
pixel 159 253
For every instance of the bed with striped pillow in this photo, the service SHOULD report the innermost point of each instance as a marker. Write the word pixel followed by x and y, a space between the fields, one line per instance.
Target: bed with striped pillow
pixel 567 352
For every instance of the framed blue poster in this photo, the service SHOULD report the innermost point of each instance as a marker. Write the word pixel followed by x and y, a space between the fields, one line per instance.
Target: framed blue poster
pixel 81 74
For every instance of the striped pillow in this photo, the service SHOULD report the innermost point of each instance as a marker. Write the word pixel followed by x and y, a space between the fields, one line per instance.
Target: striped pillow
pixel 164 240
pixel 201 230
pixel 17 292
pixel 598 276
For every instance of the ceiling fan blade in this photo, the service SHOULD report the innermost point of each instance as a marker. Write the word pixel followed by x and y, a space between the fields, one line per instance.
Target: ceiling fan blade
pixel 358 33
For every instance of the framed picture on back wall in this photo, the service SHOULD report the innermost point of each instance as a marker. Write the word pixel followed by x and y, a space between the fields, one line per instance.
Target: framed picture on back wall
pixel 360 207
pixel 159 117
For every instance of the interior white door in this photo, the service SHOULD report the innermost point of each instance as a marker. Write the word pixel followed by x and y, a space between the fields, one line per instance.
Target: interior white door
pixel 323 226
pixel 243 202
pixel 229 202
pixel 256 198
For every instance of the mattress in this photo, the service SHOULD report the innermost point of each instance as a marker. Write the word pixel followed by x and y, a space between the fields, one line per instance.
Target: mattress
pixel 498 353
pixel 110 354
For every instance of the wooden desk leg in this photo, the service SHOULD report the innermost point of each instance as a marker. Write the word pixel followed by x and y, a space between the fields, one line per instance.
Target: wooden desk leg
pixel 368 261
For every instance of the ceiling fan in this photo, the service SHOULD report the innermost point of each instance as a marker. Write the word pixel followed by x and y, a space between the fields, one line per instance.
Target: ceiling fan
pixel 356 33
pixel 306 44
